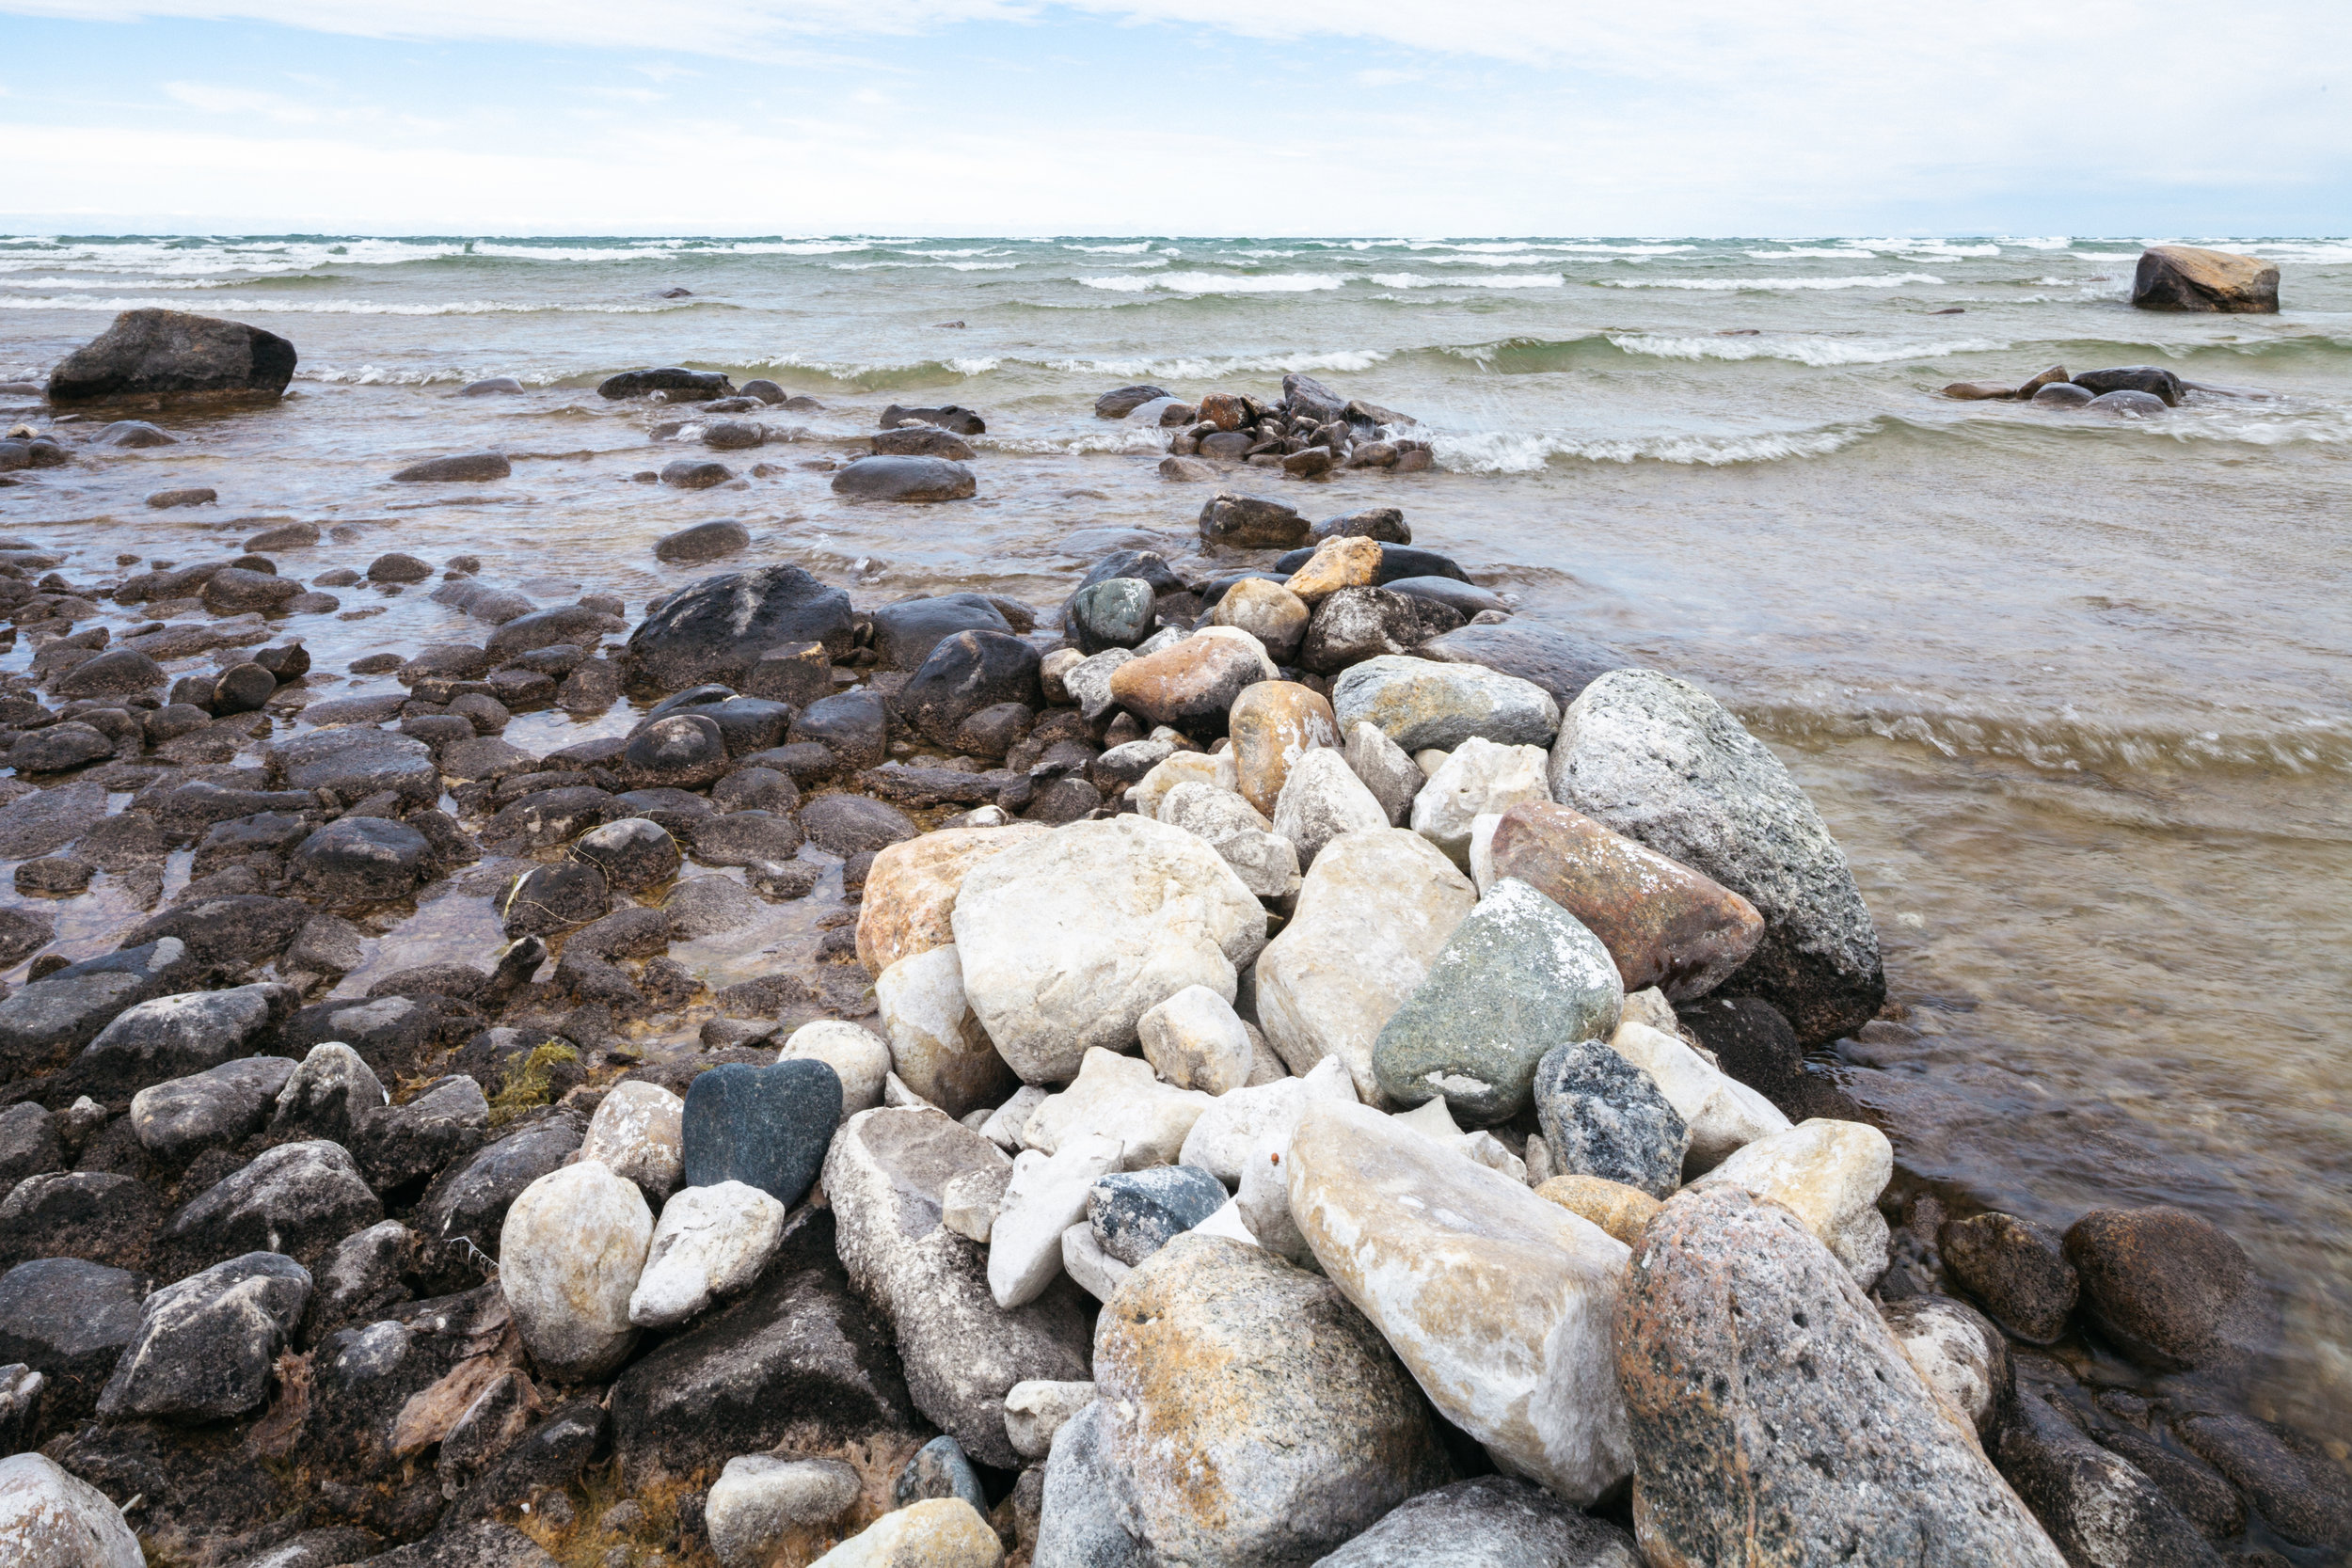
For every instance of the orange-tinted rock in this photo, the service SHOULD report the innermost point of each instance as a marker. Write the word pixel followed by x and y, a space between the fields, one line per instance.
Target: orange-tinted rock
pixel 1191 684
pixel 1337 563
pixel 1666 924
pixel 910 890
pixel 1271 723
pixel 1267 611
pixel 2187 278
pixel 1223 410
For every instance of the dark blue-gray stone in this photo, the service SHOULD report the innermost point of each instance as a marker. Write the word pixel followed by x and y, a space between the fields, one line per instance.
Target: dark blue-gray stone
pixel 1136 1213
pixel 1115 613
pixel 939 1469
pixel 1604 1116
pixel 767 1127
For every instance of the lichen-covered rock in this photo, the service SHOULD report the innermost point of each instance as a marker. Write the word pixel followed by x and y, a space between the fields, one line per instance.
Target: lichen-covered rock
pixel 2016 1270
pixel 50 1518
pixel 1478 777
pixel 638 1134
pixel 207 1347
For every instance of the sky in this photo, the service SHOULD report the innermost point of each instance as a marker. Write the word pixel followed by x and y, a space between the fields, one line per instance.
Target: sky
pixel 1198 116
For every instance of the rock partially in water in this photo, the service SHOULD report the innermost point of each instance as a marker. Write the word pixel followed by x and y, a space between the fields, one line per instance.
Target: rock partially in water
pixel 465 468
pixel 966 673
pixel 2016 1270
pixel 2160 1282
pixel 683 385
pixel 1126 400
pixel 691 473
pixel 171 353
pixel 702 542
pixel 2152 380
pixel 2300 1490
pixel 1251 522
pixel 2127 404
pixel 2190 277
pixel 906 633
pixel 2096 1507
pixel 906 479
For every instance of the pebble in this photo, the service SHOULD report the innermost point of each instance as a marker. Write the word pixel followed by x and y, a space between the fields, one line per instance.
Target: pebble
pixel 638 1133
pixel 937 1046
pixel 759 1497
pixel 767 1127
pixel 857 1058
pixel 1489 1522
pixel 570 1254
pixel 939 1469
pixel 1829 1174
pixel 710 1241
pixel 1420 704
pixel 1195 1040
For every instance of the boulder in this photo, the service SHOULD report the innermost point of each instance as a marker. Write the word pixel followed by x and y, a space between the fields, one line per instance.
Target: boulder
pixel 471 1197
pixel 1386 770
pixel 573 1246
pixel 718 628
pixel 1478 779
pixel 150 352
pixel 633 853
pixel 1343 561
pixel 711 1241
pixel 49 1517
pixel 2099 1509
pixel 703 907
pixel 1272 724
pixel 1118 1097
pixel 2190 277
pixel 688 473
pixel 1266 862
pixel 1420 704
pixel 70 1321
pixel 1746 1354
pixel 1661 762
pixel 937 1046
pixel 1268 611
pixel 860 1060
pixel 356 763
pixel 1961 1356
pixel 400 1145
pixel 1322 799
pixel 207 1347
pixel 1249 522
pixel 966 673
pixel 1251 1414
pixel 638 1133
pixel 1192 685
pixel 765 1127
pixel 1371 917
pixel 1080 1515
pixel 1357 623
pixel 1491 1522
pixel 1663 924
pixel 683 385
pixel 684 751
pixel 912 887
pixel 1068 939
pixel 2161 1283
pixel 465 468
pixel 2297 1486
pixel 905 478
pixel 175 1036
pixel 906 633
pixel 1195 1040
pixel 117 672
pixel 1829 1174
pixel 327 1095
pixel 853 725
pixel 297 1199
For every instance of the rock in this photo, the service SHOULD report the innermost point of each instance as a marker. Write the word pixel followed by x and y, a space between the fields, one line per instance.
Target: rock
pixel 847 825
pixel 117 672
pixel 1722 1115
pixel 1232 1125
pixel 225 1104
pixel 1478 779
pixel 1357 623
pixel 59 748
pixel 1615 1207
pixel 1126 400
pixel 357 763
pixel 911 888
pixel 747 838
pixel 2160 1282
pixel 1419 704
pixel 1962 1358
pixel 1216 769
pixel 131 434
pixel 758 1499
pixel 966 673
pixel 1491 1522
pixel 684 751
pixel 573 1244
pixel 709 906
pixel 1724 1296
pixel 1249 522
pixel 946 417
pixel 884 1177
pixel 2016 1270
pixel 1045 1195
pixel 1604 1116
pixel 468 467
pixel 702 542
pixel 719 629
pixel 711 1241
pixel 2300 1490
pixel 856 1056
pixel 194 495
pixel 939 1532
pixel 24 933
pixel 2062 394
pixel 937 1045
pixel 70 1321
pixel 1195 1040
pixel 402 1145
pixel 1068 939
pixel 1663 924
pixel 1080 1513
pixel 207 1347
pixel 683 385
pixel 1034 1411
pixel 50 1518
pixel 1118 1097
pixel 1343 561
pixel 939 1469
pixel 1386 769
pixel 297 1199
pixel 1266 862
pixel 906 633
pixel 853 725
pixel 638 1134
pixel 686 474
pixel 1329 1435
pixel 1268 611
pixel 149 352
pixel 470 1197
pixel 53 1017
pixel 1192 685
pixel 765 1127
pixel 1829 1174
pixel 905 478
pixel 102 1216
pixel 30 1143
pixel 633 853
pixel 360 860
pixel 1115 613
pixel 172 1036
pixel 1135 1213
pixel 1465 599
pixel 2127 404
pixel 552 899
pixel 2188 277
pixel 1384 523
pixel 1322 799
pixel 1662 763
pixel 1272 724
pixel 2095 1506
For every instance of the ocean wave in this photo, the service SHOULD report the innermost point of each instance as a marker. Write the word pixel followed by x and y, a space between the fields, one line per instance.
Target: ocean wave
pixel 363 307
pixel 1117 439
pixel 1417 280
pixel 1198 367
pixel 1743 285
pixel 1800 349
pixel 1850 254
pixel 1215 283
pixel 1138 248
pixel 1516 452
pixel 933 266
pixel 387 375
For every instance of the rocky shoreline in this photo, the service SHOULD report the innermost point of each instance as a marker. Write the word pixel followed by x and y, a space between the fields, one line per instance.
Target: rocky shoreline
pixel 1299 1064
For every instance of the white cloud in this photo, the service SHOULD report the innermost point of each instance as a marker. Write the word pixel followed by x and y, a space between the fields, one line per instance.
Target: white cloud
pixel 215 99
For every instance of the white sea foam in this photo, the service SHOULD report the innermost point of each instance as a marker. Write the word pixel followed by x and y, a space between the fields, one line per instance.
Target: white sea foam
pixel 1419 280
pixel 1512 453
pixel 1215 283
pixel 344 308
pixel 1127 439
pixel 1800 349
pixel 1197 368
pixel 1849 253
pixel 1731 285
pixel 924 266
pixel 1135 249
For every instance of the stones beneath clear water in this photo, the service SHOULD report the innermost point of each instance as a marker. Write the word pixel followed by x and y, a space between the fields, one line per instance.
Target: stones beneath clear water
pixel 2160 1282
pixel 2300 1490
pixel 207 1347
pixel 464 468
pixel 573 1247
pixel 2016 1270
pixel 765 1127
pixel 702 542
pixel 905 478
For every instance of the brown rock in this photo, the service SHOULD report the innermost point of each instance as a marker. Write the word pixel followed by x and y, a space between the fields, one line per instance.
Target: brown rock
pixel 2186 277
pixel 1776 1421
pixel 2160 1282
pixel 1271 723
pixel 2301 1492
pixel 1267 611
pixel 1981 391
pixel 1664 924
pixel 2016 1270
pixel 1191 684
pixel 2050 378
pixel 910 890
pixel 1223 410
pixel 1347 562
pixel 1620 1209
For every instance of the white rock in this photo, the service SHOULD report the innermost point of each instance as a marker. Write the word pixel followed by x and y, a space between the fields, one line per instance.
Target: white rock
pixel 1499 1302
pixel 968 1203
pixel 1650 1007
pixel 638 1134
pixel 1493 1153
pixel 1266 862
pixel 1371 916
pixel 1069 938
pixel 937 1046
pixel 857 1056
pixel 1321 800
pixel 1391 775
pixel 1195 1040
pixel 1119 1096
pixel 1433 1119
pixel 1088 681
pixel 1220 1140
pixel 573 1244
pixel 1962 1358
pixel 1006 1124
pixel 1429 759
pixel 1482 850
pixel 1479 779
pixel 330 1094
pixel 899 1096
pixel 938 1532
pixel 1084 1260
pixel 759 1497
pixel 1218 769
pixel 711 1241
pixel 1541 1168
pixel 1046 1196
pixel 1827 1173
pixel 1723 1113
pixel 52 1518
pixel 1035 1410
pixel 1225 1222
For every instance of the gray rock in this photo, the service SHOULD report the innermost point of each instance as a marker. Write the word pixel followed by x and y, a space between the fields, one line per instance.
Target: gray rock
pixel 22 1390
pixel 397 1145
pixel 2299 1488
pixel 48 819
pixel 1516 976
pixel 633 853
pixel 853 725
pixel 2016 1270
pixel 207 1347
pixel 362 1275
pixel 1135 1213
pixel 1384 523
pixel 59 748
pixel 2099 1509
pixel 1736 1297
pixel 709 906
pixel 1321 798
pixel 1491 1522
pixel 466 467
pixel 905 478
pixel 884 1175
pixel 2127 404
pixel 2148 380
pixel 718 628
pixel 1115 614
pixel 1423 703
pixel 131 434
pixel 2062 394
pixel 70 1321
pixel 1664 764
pixel 847 825
pixel 172 1036
pixel 298 1198
pixel 329 1095
pixel 118 672
pixel 51 1518
pixel 468 1545
pixel 226 1104
pixel 1563 663
pixel 1079 1521
pixel 906 633
pixel 686 474
pixel 682 751
pixel 1126 400
pixel 939 1469
pixel 2162 1283
pixel 1362 622
pixel 470 1197
pixel 702 542
pixel 551 898
pixel 357 763
pixel 54 1017
pixel 1249 522
pixel 1604 1116
pixel 28 1142
pixel 148 352
pixel 758 1499
pixel 103 1216
pixel 1386 769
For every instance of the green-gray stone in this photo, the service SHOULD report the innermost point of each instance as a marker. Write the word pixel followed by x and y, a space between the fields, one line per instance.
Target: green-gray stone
pixel 1115 614
pixel 1519 976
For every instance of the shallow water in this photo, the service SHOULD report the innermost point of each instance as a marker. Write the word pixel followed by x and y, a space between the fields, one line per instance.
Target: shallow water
pixel 2072 691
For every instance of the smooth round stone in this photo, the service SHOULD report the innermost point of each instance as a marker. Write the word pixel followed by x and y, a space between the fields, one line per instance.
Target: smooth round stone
pixel 2016 1270
pixel 733 435
pixel 1117 613
pixel 853 725
pixel 1467 598
pixel 1266 610
pixel 759 1497
pixel 361 860
pixel 1272 723
pixel 691 473
pixel 59 747
pixel 570 1253
pixel 1604 1116
pixel 680 751
pixel 847 825
pixel 765 1127
pixel 490 385
pixel 927 441
pixel 711 1241
pixel 1420 704
pixel 702 542
pixel 117 672
pixel 937 1046
pixel 857 1058
pixel 964 673
pixel 1384 523
pixel 467 468
pixel 906 479
pixel 1192 685
pixel 242 689
pixel 1249 522
pixel 2160 1282
pixel 396 567
pixel 634 853
pixel 551 898
pixel 1135 1213
pixel 938 1469
pixel 637 1134
pixel 2063 394
pixel 2127 404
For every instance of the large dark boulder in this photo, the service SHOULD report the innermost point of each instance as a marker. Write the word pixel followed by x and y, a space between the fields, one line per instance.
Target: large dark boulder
pixel 2190 277
pixel 471 1197
pixel 853 725
pixel 717 629
pixel 2164 1284
pixel 1561 662
pixel 354 764
pixel 101 1216
pixel 906 633
pixel 966 673
pixel 174 1036
pixel 207 1346
pixel 2154 380
pixel 46 1022
pixel 170 352
pixel 2094 1503
pixel 242 931
pixel 683 385
pixel 297 1199
pixel 68 1320
pixel 1251 522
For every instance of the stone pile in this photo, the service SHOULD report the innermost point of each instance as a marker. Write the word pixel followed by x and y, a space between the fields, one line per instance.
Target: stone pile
pixel 1311 431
